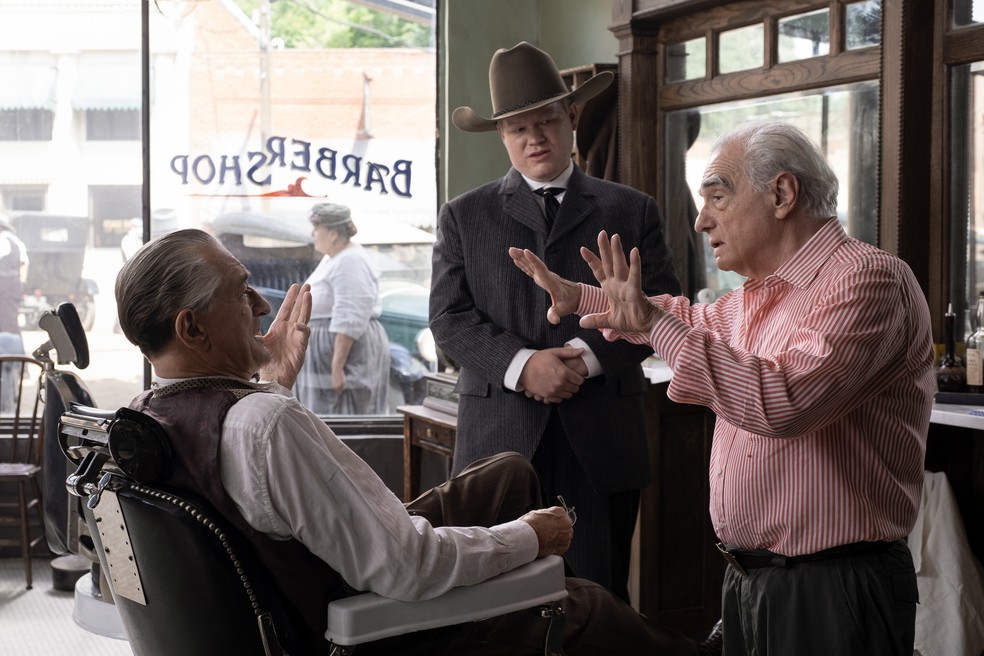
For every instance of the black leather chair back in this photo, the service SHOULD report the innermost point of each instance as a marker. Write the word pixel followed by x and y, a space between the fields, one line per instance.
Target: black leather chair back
pixel 192 585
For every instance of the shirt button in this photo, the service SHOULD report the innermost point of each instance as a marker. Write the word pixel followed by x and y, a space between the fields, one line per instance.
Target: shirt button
pixel 720 471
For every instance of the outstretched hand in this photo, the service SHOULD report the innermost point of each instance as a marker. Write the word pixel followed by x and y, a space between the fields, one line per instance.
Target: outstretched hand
pixel 288 336
pixel 564 294
pixel 629 310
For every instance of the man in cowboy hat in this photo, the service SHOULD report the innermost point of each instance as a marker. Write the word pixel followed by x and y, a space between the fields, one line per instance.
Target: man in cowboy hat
pixel 562 396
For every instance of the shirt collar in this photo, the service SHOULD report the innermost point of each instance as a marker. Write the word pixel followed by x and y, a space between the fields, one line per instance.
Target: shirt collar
pixel 803 267
pixel 158 381
pixel 560 181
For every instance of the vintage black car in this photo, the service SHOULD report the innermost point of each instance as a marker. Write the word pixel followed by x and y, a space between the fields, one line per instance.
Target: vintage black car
pixel 56 247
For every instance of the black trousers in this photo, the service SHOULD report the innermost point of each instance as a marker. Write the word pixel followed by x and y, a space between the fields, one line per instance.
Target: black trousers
pixel 489 492
pixel 852 605
pixel 602 547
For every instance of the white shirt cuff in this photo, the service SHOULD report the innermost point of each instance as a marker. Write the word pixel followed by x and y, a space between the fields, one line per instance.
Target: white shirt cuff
pixel 590 359
pixel 511 380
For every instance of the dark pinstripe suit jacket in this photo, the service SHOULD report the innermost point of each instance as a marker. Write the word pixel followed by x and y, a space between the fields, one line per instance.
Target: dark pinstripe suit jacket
pixel 483 309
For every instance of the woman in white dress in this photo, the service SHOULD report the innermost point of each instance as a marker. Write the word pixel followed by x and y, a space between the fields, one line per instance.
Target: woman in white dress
pixel 346 368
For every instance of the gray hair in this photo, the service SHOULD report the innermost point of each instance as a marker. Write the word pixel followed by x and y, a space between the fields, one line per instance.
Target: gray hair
pixel 770 148
pixel 168 274
pixel 333 217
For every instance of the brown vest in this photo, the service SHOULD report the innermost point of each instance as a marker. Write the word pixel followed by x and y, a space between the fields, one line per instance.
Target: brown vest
pixel 191 414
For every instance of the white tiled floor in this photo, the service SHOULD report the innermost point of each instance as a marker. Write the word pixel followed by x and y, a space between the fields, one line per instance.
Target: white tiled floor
pixel 38 622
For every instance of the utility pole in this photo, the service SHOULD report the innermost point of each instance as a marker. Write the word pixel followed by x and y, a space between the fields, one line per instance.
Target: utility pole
pixel 264 71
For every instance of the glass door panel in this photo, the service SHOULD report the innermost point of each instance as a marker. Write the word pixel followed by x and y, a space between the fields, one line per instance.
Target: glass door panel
pixel 843 120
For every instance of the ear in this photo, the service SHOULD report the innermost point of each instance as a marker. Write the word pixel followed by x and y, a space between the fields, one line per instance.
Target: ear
pixel 189 331
pixel 573 113
pixel 785 188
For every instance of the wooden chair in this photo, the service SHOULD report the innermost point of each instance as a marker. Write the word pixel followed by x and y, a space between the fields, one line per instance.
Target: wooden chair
pixel 21 436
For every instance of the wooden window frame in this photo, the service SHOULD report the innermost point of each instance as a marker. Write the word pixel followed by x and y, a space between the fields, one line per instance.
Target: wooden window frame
pixel 911 63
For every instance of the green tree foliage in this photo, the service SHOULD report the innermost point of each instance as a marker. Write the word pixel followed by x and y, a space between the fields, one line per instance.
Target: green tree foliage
pixel 338 24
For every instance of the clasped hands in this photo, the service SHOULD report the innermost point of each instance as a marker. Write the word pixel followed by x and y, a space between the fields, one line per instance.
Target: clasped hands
pixel 629 310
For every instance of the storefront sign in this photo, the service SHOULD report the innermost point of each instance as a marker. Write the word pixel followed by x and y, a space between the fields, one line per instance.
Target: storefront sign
pixel 295 155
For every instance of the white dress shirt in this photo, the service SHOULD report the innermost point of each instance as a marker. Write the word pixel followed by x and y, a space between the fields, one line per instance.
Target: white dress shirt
pixel 290 476
pixel 522 356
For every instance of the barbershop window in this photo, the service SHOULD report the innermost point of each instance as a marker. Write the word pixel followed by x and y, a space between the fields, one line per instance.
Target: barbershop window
pixel 964 46
pixel 781 64
pixel 256 111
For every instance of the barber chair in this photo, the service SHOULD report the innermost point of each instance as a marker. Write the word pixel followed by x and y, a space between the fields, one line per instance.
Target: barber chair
pixel 186 583
pixel 76 565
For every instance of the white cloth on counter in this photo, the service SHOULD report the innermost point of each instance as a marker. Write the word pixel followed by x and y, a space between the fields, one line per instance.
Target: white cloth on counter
pixel 950 614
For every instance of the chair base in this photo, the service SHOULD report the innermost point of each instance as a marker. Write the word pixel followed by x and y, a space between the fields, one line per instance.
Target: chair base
pixel 67 570
pixel 95 613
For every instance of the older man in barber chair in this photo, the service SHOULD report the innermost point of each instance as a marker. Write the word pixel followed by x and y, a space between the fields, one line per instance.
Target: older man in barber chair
pixel 317 515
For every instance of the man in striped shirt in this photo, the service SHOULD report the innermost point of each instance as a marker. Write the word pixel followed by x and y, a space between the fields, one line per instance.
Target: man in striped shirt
pixel 820 371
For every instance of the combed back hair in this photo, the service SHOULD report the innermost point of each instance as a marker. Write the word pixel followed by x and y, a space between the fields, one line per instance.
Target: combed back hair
pixel 770 148
pixel 167 275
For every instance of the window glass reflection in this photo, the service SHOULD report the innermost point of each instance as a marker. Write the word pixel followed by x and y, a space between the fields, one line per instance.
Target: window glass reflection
pixel 70 171
pixel 862 24
pixel 804 35
pixel 257 127
pixel 741 49
pixel 687 60
pixel 967 191
pixel 843 120
pixel 253 119
pixel 967 12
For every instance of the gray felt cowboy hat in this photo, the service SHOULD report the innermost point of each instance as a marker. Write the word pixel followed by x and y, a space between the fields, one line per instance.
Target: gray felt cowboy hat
pixel 521 79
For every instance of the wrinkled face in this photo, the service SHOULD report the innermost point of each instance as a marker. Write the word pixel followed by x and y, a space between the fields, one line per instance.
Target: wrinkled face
pixel 540 142
pixel 233 323
pixel 739 221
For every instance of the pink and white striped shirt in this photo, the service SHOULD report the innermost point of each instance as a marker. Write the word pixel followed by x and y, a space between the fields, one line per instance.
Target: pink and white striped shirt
pixel 821 376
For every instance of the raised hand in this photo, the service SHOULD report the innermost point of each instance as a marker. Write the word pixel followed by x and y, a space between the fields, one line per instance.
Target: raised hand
pixel 288 336
pixel 629 310
pixel 564 294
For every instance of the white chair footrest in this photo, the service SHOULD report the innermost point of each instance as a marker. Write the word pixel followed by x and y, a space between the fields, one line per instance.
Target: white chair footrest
pixel 368 617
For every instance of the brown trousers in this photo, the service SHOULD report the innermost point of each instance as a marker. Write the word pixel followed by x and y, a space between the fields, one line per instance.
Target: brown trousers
pixel 498 489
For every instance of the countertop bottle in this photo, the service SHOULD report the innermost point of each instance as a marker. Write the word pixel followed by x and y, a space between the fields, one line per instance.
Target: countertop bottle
pixel 975 351
pixel 952 375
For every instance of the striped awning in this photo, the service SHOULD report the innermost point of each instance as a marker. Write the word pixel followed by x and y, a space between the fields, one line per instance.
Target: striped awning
pixel 105 84
pixel 27 85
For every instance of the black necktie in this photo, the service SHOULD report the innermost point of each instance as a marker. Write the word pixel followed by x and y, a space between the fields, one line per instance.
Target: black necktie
pixel 550 202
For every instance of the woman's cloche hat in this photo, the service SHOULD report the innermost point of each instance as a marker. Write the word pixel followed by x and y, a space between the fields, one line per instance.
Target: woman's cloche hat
pixel 329 215
pixel 521 79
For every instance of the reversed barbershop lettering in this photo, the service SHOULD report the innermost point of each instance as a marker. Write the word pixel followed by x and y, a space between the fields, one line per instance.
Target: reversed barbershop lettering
pixel 298 156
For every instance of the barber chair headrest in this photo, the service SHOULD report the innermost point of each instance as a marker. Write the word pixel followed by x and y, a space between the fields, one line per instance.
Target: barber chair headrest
pixel 124 442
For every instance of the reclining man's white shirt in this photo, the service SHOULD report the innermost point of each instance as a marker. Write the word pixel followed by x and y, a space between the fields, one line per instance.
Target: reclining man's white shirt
pixel 289 475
